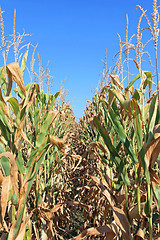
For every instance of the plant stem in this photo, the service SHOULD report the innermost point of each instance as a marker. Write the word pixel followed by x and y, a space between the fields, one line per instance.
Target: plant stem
pixel 149 210
pixel 138 194
pixel 126 197
pixel 157 81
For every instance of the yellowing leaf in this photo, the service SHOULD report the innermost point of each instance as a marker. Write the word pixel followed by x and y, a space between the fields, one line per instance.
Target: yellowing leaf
pixel 14 73
pixel 6 185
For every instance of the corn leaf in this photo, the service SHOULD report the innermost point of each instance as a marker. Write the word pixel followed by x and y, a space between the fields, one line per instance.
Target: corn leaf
pixel 113 151
pixel 24 60
pixel 121 133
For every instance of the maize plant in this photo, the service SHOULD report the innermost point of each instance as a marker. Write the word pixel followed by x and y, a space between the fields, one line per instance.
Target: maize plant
pixel 33 131
pixel 127 141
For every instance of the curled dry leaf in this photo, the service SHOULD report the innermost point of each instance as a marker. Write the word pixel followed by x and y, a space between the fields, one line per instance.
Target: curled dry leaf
pixel 118 214
pixel 97 231
pixel 129 91
pixel 156 131
pixel 111 98
pixel 122 221
pixel 115 79
pixel 49 212
pixel 104 189
pixel 140 233
pixel 152 151
pixel 78 204
pixel 154 177
pixel 143 78
pixel 54 113
pixel 133 212
pixel 56 141
pixel 118 93
pixel 14 73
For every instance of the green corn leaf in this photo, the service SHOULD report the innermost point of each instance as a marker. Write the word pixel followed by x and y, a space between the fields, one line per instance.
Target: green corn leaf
pixel 5 165
pixel 133 81
pixel 138 130
pixel 121 133
pixel 114 155
pixel 24 60
pixel 32 172
pixel 5 132
pixel 138 126
pixel 20 163
pixel 148 81
pixel 136 95
pixel 1 148
pixel 157 194
pixel 105 136
pixel 4 119
pixel 54 98
pixel 3 81
pixel 15 105
pixel 44 129
pixel 18 91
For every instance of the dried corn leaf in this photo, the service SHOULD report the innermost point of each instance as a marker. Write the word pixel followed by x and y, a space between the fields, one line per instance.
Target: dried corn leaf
pixel 97 231
pixel 49 212
pixel 122 221
pixel 119 95
pixel 1 177
pixel 78 204
pixel 133 212
pixel 143 78
pixel 156 131
pixel 56 141
pixel 6 185
pixel 14 73
pixel 140 233
pixel 152 151
pixel 115 79
pixel 111 98
pixel 154 177
pixel 105 191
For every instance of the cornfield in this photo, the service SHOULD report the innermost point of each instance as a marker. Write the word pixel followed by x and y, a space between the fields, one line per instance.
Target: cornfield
pixel 95 179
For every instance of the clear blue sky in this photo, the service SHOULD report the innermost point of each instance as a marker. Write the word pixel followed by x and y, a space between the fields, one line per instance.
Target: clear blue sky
pixel 73 36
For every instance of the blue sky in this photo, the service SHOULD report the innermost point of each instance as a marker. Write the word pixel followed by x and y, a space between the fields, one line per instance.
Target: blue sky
pixel 73 35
